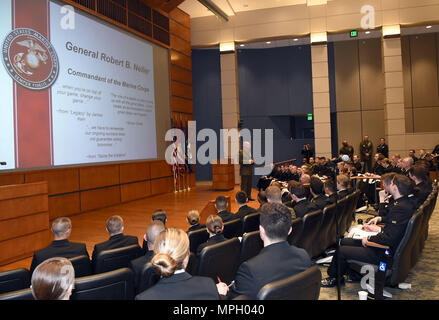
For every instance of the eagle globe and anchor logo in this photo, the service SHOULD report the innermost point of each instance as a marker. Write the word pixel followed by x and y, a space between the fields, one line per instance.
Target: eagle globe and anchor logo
pixel 30 59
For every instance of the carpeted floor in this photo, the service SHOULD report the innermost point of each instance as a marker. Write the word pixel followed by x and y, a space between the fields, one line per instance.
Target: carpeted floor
pixel 424 277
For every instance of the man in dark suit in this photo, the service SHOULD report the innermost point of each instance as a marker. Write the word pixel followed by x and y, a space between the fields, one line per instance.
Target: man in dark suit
pixel 117 239
pixel 330 191
pixel 301 206
pixel 160 215
pixel 412 154
pixel 61 246
pixel 391 235
pixel 246 169
pixel 343 186
pixel 274 195
pixel 277 260
pixel 262 199
pixel 383 148
pixel 152 231
pixel 347 149
pixel 366 149
pixel 244 209
pixel 318 194
pixel 423 188
pixel 221 207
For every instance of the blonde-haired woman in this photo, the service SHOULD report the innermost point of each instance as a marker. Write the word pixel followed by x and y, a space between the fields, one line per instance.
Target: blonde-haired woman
pixel 171 255
pixel 215 228
pixel 193 218
pixel 53 279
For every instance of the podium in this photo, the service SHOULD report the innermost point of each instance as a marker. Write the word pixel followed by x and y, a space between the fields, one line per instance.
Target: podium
pixel 24 220
pixel 223 175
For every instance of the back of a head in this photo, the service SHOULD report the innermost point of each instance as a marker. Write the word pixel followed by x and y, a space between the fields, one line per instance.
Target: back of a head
pixel 330 186
pixel 387 178
pixel 193 217
pixel 273 194
pixel 408 162
pixel 214 224
pixel 221 203
pixel 61 227
pixel 305 178
pixel 420 172
pixel 343 180
pixel 241 197
pixel 262 197
pixel 53 279
pixel 159 215
pixel 403 183
pixel 316 185
pixel 153 230
pixel 297 189
pixel 115 225
pixel 275 218
pixel 171 247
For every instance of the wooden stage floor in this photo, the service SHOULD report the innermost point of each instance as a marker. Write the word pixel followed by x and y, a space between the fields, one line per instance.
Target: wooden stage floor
pixel 89 227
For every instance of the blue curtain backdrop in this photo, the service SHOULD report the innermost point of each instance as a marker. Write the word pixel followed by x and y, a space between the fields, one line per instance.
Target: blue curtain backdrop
pixel 275 84
pixel 206 84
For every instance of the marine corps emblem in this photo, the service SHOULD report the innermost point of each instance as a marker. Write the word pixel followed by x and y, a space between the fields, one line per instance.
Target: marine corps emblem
pixel 30 59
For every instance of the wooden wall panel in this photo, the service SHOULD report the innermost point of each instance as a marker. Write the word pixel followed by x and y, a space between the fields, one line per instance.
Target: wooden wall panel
pixel 99 176
pixel 349 128
pixel 409 120
pixel 181 90
pixel 180 17
pixel 424 71
pixel 11 208
pixel 13 228
pixel 162 185
pixel 179 30
pixel 100 198
pixel 64 205
pixel 181 75
pixel 133 191
pixel 131 172
pixel 181 60
pixel 20 191
pixel 426 120
pixel 11 178
pixel 347 80
pixel 181 105
pixel 180 45
pixel 373 125
pixel 160 169
pixel 60 180
pixel 371 74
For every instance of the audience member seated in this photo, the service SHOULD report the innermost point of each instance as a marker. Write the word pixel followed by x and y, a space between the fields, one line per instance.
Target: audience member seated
pixel 193 218
pixel 115 228
pixel 244 209
pixel 378 169
pixel 215 227
pixel 318 194
pixel 412 154
pixel 221 207
pixel 343 186
pixel 391 235
pixel 357 163
pixel 405 165
pixel 301 205
pixel 277 260
pixel 61 246
pixel 262 199
pixel 152 231
pixel 423 188
pixel 274 195
pixel 330 191
pixel 171 256
pixel 159 214
pixel 53 279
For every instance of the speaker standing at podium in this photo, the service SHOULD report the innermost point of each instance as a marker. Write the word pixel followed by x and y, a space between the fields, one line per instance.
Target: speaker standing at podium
pixel 246 164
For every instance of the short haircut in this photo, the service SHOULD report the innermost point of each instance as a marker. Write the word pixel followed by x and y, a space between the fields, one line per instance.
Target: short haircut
pixel 403 183
pixel 52 279
pixel 193 217
pixel 262 196
pixel 343 180
pixel 305 178
pixel 153 229
pixel 387 177
pixel 409 160
pixel 316 185
pixel 214 224
pixel 297 189
pixel 60 226
pixel 241 197
pixel 330 185
pixel 221 203
pixel 275 218
pixel 115 225
pixel 418 171
pixel 159 214
pixel 273 194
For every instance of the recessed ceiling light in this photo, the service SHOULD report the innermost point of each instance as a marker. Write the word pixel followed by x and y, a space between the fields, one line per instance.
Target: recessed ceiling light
pixel 428 27
pixel 296 39
pixel 367 32
pixel 242 45
pixel 268 42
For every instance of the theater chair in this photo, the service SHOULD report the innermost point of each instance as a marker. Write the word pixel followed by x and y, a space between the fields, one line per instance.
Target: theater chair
pixel 148 278
pixel 113 285
pixel 341 216
pixel 296 231
pixel 251 245
pixel 232 228
pixel 13 280
pixel 302 286
pixel 220 260
pixel 250 222
pixel 196 238
pixel 82 266
pixel 310 229
pixel 24 294
pixel 348 215
pixel 108 260
pixel 326 235
pixel 399 266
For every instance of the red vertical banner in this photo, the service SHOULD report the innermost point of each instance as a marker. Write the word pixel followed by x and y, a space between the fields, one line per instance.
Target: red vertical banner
pixel 32 106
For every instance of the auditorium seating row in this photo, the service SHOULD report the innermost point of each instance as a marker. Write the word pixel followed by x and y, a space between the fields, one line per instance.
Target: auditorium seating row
pixel 407 253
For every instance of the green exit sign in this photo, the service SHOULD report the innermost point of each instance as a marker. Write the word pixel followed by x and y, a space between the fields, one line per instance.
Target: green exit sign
pixel 354 33
pixel 309 116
